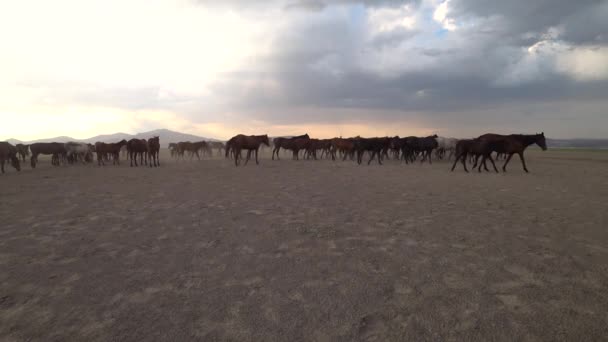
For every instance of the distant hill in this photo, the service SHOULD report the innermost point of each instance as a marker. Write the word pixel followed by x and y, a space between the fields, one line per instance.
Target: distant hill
pixel 166 137
pixel 578 143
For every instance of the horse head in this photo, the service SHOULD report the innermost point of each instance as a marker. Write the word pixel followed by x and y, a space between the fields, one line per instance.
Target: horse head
pixel 540 141
pixel 265 140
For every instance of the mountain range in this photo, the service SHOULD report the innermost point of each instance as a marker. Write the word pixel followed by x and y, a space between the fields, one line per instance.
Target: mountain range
pixel 166 137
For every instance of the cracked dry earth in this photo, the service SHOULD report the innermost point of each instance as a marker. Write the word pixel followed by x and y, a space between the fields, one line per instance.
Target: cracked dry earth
pixel 306 251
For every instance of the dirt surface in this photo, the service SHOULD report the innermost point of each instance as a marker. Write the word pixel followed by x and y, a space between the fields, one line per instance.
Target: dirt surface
pixel 306 251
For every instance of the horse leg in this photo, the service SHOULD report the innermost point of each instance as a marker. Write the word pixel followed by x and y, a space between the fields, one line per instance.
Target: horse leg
pixel 237 155
pixel 492 161
pixel 2 165
pixel 455 162
pixel 484 162
pixel 371 157
pixel 504 167
pixel 256 157
pixel 523 161
pixel 248 156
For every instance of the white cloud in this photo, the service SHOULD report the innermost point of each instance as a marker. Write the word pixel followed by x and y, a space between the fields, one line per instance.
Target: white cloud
pixel 386 19
pixel 440 15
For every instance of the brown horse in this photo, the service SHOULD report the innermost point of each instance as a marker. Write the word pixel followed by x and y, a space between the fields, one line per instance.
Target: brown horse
pixel 344 146
pixel 476 148
pixel 295 144
pixel 113 150
pixel 8 152
pixel 137 147
pixel 514 143
pixel 246 142
pixel 192 147
pixel 218 145
pixel 23 151
pixel 153 150
pixel 56 150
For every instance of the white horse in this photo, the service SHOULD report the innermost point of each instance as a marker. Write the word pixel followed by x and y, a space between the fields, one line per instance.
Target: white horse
pixel 78 151
pixel 446 145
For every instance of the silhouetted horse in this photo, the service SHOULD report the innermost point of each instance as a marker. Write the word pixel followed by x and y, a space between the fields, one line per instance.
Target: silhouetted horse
pixel 476 148
pixel 374 146
pixel 23 151
pixel 112 149
pixel 514 143
pixel 426 146
pixel 246 142
pixel 153 151
pixel 344 146
pixel 295 144
pixel 137 147
pixel 56 150
pixel 8 152
pixel 314 145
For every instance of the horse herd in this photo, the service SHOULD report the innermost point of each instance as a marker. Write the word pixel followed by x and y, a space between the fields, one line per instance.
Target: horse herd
pixel 77 152
pixel 407 149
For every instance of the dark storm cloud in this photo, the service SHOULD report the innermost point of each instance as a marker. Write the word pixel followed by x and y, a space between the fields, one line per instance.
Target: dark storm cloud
pixel 582 20
pixel 324 61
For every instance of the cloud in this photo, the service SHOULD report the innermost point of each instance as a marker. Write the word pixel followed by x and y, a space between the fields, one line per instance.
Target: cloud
pixel 280 63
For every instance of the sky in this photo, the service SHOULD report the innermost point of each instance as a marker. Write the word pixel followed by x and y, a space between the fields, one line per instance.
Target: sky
pixel 217 68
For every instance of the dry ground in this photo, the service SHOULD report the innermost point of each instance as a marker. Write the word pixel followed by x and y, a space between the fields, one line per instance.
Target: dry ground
pixel 306 251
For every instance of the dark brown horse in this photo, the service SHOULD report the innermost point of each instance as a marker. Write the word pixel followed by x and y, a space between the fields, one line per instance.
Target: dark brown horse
pixel 476 148
pixel 8 152
pixel 23 151
pixel 112 149
pixel 135 148
pixel 250 143
pixel 514 143
pixel 375 147
pixel 295 144
pixel 56 150
pixel 153 151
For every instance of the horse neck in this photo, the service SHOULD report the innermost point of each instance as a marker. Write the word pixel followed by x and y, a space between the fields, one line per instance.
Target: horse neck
pixel 528 140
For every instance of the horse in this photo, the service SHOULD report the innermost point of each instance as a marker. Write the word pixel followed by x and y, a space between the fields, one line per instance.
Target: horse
pixel 23 151
pixel 76 151
pixel 153 150
pixel 112 149
pixel 192 147
pixel 9 152
pixel 137 147
pixel 445 145
pixel 173 149
pixel 514 143
pixel 246 142
pixel 56 150
pixel 426 146
pixel 476 148
pixel 344 146
pixel 375 146
pixel 218 145
pixel 294 144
